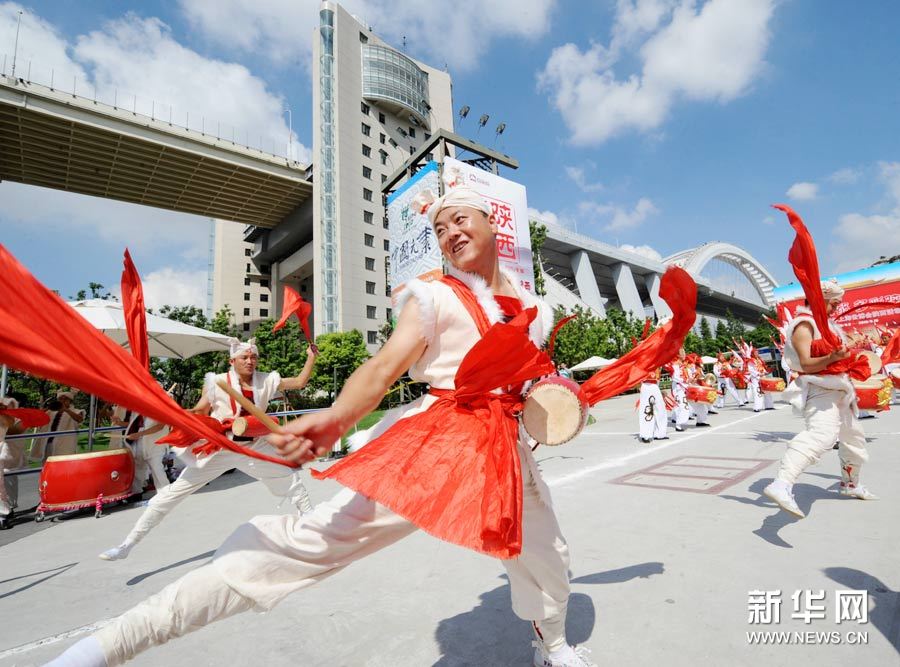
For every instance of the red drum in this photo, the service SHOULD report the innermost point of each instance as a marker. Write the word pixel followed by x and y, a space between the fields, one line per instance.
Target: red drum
pixel 873 359
pixel 76 481
pixel 696 393
pixel 771 384
pixel 874 393
pixel 895 378
pixel 553 413
pixel 249 427
pixel 740 382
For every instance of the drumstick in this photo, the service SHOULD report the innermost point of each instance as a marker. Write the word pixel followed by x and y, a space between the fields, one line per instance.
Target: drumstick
pixel 266 421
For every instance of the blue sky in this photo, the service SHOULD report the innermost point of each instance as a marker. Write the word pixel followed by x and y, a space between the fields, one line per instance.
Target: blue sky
pixel 658 123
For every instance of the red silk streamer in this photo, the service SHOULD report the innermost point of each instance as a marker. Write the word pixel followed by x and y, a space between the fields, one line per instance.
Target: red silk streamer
pixel 180 438
pixel 559 325
pixel 453 470
pixel 679 291
pixel 135 313
pixel 43 336
pixel 28 417
pixel 857 366
pixel 295 305
pixel 891 352
pixel 805 262
pixel 646 330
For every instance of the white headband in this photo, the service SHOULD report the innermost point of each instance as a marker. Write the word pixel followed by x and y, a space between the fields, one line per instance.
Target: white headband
pixel 9 403
pixel 832 290
pixel 238 347
pixel 459 196
pixel 66 394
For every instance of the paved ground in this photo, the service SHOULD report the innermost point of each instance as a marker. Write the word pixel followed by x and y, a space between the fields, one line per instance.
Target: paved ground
pixel 667 540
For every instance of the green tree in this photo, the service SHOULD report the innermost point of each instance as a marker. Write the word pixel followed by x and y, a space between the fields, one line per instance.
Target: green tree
pixel 708 344
pixel 736 328
pixel 538 233
pixel 97 291
pixel 188 374
pixel 340 354
pixel 886 260
pixel 722 339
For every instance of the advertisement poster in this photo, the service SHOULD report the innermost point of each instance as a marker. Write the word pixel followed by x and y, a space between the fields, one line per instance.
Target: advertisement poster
pixel 510 206
pixel 878 285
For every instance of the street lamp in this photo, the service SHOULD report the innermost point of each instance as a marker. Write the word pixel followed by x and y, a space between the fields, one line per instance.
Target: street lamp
pixel 16 47
pixel 290 135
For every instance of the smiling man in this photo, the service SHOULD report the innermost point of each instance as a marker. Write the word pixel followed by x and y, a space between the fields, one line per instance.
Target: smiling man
pixel 259 388
pixel 453 463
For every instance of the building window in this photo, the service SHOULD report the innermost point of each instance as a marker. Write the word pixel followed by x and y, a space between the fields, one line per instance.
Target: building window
pixel 264 269
pixel 369 240
pixel 412 133
pixel 247 252
pixel 427 136
pixel 367 194
pixel 385 222
pixel 246 282
pixel 264 282
pixel 364 108
pixel 370 264
pixel 383 157
pixel 363 40
pixel 246 296
pixel 370 287
pixel 382 138
pixel 381 118
pixel 412 150
pixel 367 152
pixel 370 312
pixel 248 268
pixel 246 326
pixel 246 312
pixel 387 245
pixel 430 157
pixel 372 337
pixel 389 313
pixel 264 312
pixel 366 130
pixel 264 297
pixel 368 216
pixel 383 178
pixel 367 172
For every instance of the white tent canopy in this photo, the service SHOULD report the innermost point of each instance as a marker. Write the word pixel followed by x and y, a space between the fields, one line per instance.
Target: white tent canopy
pixel 168 338
pixel 708 360
pixel 593 364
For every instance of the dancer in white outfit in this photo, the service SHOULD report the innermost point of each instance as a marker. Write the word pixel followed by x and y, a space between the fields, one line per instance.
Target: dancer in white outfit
pixel 652 416
pixel 828 404
pixel 280 480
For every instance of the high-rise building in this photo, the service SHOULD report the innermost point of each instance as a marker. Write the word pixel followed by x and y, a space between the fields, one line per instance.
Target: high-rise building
pixel 373 107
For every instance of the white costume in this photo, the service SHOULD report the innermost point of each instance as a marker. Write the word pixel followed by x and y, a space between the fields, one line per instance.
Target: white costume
pixel 725 385
pixel 652 415
pixel 282 482
pixel 147 456
pixel 273 556
pixel 12 456
pixel 682 411
pixel 828 404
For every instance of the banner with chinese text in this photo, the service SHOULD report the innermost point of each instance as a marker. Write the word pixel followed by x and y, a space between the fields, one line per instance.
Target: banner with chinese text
pixel 878 285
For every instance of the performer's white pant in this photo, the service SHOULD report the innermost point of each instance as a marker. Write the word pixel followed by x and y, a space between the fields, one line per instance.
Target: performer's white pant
pixel 754 394
pixel 729 389
pixel 702 411
pixel 148 466
pixel 282 482
pixel 682 411
pixel 652 415
pixel 12 456
pixel 826 422
pixel 272 556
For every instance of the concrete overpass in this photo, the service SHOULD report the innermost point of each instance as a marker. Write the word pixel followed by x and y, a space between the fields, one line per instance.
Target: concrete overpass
pixel 599 275
pixel 60 140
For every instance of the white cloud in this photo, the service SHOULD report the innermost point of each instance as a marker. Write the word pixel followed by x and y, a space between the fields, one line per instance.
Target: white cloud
pixel 862 239
pixel 710 53
pixel 618 218
pixel 548 217
pixel 174 287
pixel 456 33
pixel 644 250
pixel 803 191
pixel 577 176
pixel 769 220
pixel 41 47
pixel 846 176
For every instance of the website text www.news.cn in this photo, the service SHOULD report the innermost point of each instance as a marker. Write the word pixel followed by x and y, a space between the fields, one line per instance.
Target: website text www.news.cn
pixel 782 637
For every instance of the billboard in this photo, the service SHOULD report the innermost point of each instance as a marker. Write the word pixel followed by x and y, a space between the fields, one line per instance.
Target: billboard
pixel 510 206
pixel 878 286
pixel 414 249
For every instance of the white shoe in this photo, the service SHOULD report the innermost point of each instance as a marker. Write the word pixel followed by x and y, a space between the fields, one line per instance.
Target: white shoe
pixel 117 553
pixel 859 491
pixel 780 492
pixel 568 656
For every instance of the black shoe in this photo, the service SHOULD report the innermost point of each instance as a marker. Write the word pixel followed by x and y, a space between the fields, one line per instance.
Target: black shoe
pixel 646 440
pixel 663 438
pixel 713 412
pixel 134 498
pixel 770 408
pixel 756 411
pixel 680 429
pixel 6 522
pixel 702 425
